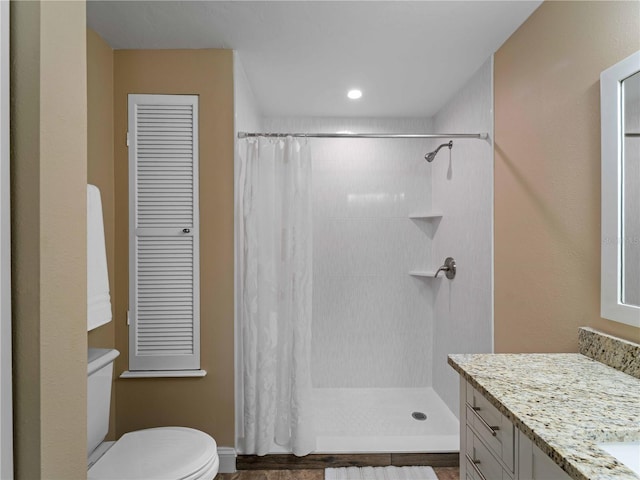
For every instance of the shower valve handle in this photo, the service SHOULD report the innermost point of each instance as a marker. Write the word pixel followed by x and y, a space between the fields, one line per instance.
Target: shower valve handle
pixel 449 268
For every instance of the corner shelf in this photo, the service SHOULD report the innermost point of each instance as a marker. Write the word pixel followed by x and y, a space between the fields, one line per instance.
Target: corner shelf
pixel 422 273
pixel 426 216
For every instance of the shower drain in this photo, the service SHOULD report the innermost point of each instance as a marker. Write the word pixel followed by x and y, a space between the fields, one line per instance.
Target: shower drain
pixel 419 416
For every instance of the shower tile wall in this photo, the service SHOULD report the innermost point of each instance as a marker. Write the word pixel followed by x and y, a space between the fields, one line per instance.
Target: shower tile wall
pixel 463 191
pixel 246 115
pixel 372 322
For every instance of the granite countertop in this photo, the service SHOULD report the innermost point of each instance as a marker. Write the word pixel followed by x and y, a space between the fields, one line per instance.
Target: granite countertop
pixel 565 402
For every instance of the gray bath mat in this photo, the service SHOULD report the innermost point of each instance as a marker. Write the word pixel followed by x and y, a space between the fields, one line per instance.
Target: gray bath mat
pixel 380 473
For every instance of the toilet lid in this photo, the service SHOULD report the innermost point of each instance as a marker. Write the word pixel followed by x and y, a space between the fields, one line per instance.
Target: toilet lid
pixel 166 453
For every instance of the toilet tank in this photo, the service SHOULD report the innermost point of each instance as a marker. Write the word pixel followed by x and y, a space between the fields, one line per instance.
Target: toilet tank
pixel 100 375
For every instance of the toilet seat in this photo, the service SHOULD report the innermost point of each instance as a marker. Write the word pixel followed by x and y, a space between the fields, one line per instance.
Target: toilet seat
pixel 165 453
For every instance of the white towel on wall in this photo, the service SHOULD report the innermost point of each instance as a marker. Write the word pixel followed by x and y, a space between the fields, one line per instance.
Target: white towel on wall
pixel 98 298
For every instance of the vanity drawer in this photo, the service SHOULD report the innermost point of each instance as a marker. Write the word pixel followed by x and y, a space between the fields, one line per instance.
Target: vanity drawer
pixel 491 426
pixel 481 464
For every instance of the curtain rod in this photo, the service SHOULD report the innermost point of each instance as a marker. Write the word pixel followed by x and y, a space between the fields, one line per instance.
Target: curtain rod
pixel 480 136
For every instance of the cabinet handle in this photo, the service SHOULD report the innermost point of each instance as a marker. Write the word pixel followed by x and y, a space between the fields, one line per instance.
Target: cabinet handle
pixel 474 464
pixel 491 429
pixel 185 230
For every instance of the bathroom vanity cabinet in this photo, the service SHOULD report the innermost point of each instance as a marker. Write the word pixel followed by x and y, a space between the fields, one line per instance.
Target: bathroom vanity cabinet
pixel 492 448
pixel 550 416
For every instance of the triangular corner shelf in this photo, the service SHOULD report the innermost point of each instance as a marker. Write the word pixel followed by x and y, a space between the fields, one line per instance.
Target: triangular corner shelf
pixel 426 216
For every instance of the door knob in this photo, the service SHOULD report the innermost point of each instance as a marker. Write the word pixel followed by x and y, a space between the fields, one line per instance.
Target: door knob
pixel 185 230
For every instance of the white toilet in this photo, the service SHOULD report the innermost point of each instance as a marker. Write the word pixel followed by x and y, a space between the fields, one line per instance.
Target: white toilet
pixel 164 453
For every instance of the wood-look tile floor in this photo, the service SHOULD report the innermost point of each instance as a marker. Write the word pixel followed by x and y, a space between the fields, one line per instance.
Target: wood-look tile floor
pixel 443 473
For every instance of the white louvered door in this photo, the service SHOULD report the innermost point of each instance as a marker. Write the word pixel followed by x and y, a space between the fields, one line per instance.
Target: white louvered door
pixel 164 287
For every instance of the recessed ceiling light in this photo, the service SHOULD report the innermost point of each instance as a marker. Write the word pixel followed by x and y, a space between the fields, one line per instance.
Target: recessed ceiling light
pixel 354 94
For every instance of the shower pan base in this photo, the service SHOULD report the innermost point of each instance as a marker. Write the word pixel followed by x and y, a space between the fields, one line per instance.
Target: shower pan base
pixel 379 420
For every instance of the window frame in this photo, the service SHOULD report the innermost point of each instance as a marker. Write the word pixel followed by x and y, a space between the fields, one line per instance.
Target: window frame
pixel 611 305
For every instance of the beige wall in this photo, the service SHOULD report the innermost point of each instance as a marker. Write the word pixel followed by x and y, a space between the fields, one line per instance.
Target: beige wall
pixel 48 187
pixel 204 403
pixel 547 172
pixel 100 170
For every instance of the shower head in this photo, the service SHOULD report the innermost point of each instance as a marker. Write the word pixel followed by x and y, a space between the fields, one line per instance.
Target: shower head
pixel 431 155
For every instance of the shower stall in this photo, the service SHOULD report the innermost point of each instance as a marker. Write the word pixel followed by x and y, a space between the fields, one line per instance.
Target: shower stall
pixel 383 222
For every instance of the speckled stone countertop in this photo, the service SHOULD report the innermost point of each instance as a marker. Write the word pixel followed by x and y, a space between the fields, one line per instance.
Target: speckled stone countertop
pixel 565 402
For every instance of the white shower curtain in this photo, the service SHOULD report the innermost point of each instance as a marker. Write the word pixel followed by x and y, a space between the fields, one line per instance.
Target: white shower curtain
pixel 274 203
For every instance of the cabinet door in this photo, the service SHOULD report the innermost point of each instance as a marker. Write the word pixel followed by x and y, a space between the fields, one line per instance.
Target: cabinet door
pixel 164 298
pixel 534 464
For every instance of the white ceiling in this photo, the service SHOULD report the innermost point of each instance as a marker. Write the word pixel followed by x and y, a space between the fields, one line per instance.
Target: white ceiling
pixel 301 57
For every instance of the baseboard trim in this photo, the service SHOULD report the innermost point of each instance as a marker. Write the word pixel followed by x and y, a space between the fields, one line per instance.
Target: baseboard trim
pixel 320 461
pixel 227 457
